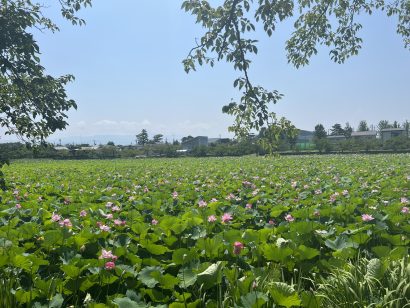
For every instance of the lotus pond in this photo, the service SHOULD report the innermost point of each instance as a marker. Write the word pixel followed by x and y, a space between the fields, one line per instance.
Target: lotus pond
pixel 229 232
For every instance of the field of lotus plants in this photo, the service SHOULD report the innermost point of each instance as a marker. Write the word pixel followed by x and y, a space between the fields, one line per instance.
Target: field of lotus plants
pixel 229 232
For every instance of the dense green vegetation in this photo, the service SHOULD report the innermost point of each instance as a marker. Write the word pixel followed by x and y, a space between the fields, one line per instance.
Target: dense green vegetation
pixel 230 148
pixel 250 232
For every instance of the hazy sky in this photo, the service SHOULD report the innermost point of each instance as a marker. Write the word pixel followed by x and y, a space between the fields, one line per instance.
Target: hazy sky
pixel 129 76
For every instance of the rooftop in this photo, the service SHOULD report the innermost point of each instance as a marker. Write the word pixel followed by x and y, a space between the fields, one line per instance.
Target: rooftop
pixel 336 137
pixel 365 133
pixel 393 129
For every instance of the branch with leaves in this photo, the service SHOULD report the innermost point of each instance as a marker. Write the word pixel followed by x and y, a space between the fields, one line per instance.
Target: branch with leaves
pixel 33 104
pixel 320 22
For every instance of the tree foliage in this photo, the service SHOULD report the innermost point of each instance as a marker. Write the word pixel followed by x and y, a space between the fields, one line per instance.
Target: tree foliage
pixel 157 138
pixel 277 129
pixel 187 138
pixel 142 137
pixel 347 130
pixel 320 132
pixel 363 127
pixel 33 104
pixel 383 124
pixel 337 130
pixel 229 36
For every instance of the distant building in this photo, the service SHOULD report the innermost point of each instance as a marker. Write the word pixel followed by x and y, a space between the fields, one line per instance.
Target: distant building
pixel 218 140
pixel 60 148
pixel 389 133
pixel 370 134
pixel 195 142
pixel 89 148
pixel 336 138
pixel 304 136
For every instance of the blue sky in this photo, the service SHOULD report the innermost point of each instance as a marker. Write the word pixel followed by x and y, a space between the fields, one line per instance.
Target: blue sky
pixel 129 76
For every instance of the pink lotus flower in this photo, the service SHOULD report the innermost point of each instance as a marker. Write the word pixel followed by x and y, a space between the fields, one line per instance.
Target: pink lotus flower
pixel 115 208
pixel 318 191
pixel 248 206
pixel 109 265
pixel 18 206
pixel 202 203
pixel 105 228
pixel 109 204
pixel 237 248
pixel 174 195
pixel 367 217
pixel 67 201
pixel 146 189
pixel 226 217
pixel 289 218
pixel 66 223
pixel 214 200
pixel 119 222
pixel 230 196
pixel 247 184
pixel 255 192
pixel 154 222
pixel 107 254
pixel 108 216
pixel 405 210
pixel 55 217
pixel 83 213
pixel 271 222
pixel 404 200
pixel 211 218
pixel 345 192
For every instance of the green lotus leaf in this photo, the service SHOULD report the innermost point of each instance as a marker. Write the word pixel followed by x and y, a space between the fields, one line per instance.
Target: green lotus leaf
pixel 210 246
pixel 187 277
pixel 71 270
pixel 150 275
pixel 52 237
pixel 125 302
pixel 186 305
pixel 278 210
pixel 274 253
pixel 155 295
pixel 307 253
pixel 24 297
pixel 211 276
pixel 22 262
pixel 253 300
pixel 57 301
pixel 183 256
pixel 340 242
pixel 156 249
pixel 168 281
pixel 284 294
